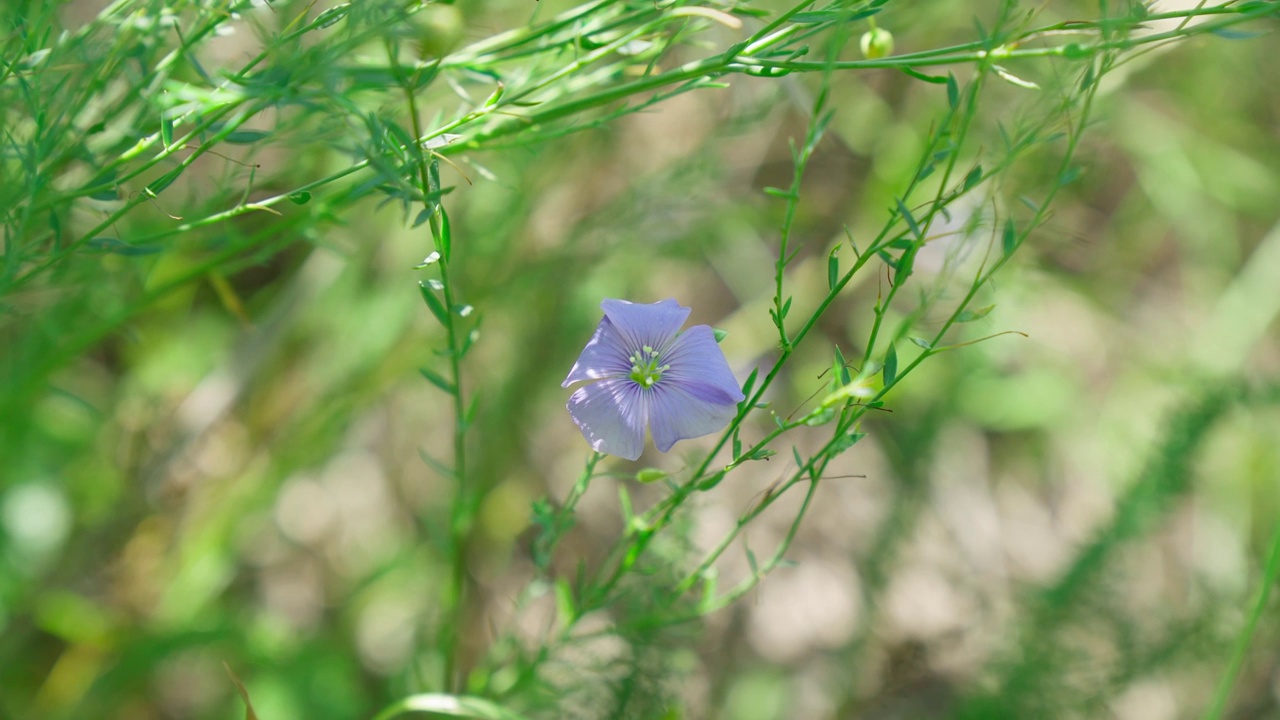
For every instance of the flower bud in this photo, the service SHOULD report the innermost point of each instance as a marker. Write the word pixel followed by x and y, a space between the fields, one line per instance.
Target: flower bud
pixel 876 43
pixel 439 30
pixel 649 475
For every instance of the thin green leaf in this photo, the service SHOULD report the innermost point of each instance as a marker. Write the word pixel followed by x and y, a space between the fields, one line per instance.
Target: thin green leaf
pixel 331 16
pixel 159 184
pixel 246 137
pixel 437 380
pixel 1009 239
pixel 433 303
pixel 842 369
pixel 890 365
pixel 444 239
pixel 444 470
pixel 972 178
pixel 910 219
pixel 936 80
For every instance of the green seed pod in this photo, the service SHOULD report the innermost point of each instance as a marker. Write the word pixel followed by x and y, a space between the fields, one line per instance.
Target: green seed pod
pixel 876 43
pixel 439 30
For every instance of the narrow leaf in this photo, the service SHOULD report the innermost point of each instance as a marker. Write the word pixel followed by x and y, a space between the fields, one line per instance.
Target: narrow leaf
pixel 159 184
pixel 833 268
pixel 750 383
pixel 953 92
pixel 971 315
pixel 437 380
pixel 1014 79
pixel 445 237
pixel 1009 240
pixel 842 368
pixel 331 16
pixel 436 465
pixel 911 221
pixel 936 80
pixel 433 303
pixel 119 247
pixel 245 137
pixel 973 177
pixel 890 365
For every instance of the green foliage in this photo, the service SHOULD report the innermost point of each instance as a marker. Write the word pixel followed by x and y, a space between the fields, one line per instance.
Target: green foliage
pixel 215 449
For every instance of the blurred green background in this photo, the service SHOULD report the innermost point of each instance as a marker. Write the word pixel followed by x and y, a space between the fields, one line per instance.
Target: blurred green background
pixel 202 466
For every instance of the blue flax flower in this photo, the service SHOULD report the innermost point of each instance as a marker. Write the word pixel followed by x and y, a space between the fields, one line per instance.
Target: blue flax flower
pixel 643 372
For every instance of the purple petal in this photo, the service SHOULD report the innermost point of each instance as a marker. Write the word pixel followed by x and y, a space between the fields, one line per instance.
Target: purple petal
pixel 605 356
pixel 655 324
pixel 612 415
pixel 698 365
pixel 697 395
pixel 679 412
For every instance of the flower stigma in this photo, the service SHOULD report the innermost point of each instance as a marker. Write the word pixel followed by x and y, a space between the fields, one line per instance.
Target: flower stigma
pixel 645 370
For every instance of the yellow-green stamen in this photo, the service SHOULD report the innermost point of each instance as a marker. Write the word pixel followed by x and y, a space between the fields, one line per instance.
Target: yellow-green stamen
pixel 645 370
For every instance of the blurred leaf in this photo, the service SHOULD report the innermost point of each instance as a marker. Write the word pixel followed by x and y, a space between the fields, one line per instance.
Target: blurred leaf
pixel 971 315
pixel 846 441
pixel 459 706
pixel 437 380
pixel 972 178
pixel 246 137
pixel 936 80
pixel 1014 79
pixel 1009 239
pixel 331 16
pixel 249 714
pixel 118 247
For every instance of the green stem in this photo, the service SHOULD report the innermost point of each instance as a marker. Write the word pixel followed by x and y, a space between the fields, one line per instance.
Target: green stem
pixel 461 512
pixel 1269 578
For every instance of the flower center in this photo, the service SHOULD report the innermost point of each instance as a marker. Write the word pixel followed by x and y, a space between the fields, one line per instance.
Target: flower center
pixel 645 370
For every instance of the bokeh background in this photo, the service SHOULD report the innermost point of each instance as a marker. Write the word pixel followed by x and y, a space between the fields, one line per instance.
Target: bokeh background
pixel 230 472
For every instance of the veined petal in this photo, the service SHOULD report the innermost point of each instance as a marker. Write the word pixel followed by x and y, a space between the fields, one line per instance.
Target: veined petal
pixel 654 324
pixel 679 412
pixel 698 365
pixel 612 415
pixel 605 356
